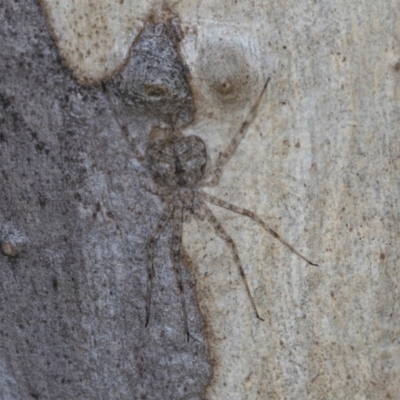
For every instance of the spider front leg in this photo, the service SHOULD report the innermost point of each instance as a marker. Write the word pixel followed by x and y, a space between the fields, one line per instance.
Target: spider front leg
pixel 124 129
pixel 220 231
pixel 213 175
pixel 166 216
pixel 255 218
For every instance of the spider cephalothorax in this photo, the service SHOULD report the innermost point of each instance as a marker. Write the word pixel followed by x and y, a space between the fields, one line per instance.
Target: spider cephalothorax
pixel 178 161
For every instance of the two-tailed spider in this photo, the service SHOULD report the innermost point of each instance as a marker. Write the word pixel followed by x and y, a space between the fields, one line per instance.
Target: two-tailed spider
pixel 179 167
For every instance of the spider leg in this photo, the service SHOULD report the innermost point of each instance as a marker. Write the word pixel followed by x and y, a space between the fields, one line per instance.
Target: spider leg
pixel 220 231
pixel 255 218
pixel 150 185
pixel 124 129
pixel 176 258
pixel 213 175
pixel 186 260
pixel 166 216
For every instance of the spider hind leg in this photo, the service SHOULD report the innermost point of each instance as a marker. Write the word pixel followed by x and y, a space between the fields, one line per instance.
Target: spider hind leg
pixel 255 218
pixel 176 259
pixel 150 254
pixel 220 231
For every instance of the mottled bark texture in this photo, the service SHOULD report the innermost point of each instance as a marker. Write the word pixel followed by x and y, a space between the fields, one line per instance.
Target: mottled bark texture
pixel 74 226
pixel 154 79
pixel 319 164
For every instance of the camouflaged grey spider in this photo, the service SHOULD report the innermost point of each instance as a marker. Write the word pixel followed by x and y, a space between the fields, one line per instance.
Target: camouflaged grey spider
pixel 178 165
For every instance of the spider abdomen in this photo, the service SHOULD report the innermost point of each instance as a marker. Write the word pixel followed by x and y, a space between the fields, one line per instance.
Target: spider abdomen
pixel 178 161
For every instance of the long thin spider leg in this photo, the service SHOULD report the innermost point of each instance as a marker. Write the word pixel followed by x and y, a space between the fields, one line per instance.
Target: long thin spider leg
pixel 124 129
pixel 220 231
pixel 151 187
pixel 213 176
pixel 186 260
pixel 176 258
pixel 255 218
pixel 166 216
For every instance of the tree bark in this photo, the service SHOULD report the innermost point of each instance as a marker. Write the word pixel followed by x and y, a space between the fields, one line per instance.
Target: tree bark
pixel 319 165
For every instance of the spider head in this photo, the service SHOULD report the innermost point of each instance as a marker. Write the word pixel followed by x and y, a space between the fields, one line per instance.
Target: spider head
pixel 178 162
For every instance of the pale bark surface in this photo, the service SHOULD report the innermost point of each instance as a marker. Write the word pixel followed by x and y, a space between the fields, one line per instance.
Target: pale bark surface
pixel 320 165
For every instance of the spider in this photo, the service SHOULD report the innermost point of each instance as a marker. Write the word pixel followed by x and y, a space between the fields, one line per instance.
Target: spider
pixel 178 165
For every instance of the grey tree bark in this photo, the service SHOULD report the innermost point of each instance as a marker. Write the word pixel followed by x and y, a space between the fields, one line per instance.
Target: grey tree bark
pixel 72 210
pixel 319 165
